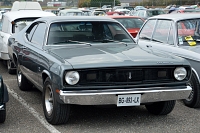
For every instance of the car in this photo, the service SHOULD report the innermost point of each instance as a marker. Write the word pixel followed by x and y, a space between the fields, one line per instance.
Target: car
pixel 4 98
pixel 55 11
pixel 86 12
pixel 128 7
pixel 186 11
pixel 89 60
pixel 176 34
pixel 139 8
pixel 115 13
pixel 131 23
pixel 98 13
pixel 70 12
pixel 5 9
pixel 125 11
pixel 12 22
pixel 147 13
pixel 1 14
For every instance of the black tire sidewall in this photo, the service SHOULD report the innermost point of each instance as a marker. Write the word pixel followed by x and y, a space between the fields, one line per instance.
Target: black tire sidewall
pixel 195 101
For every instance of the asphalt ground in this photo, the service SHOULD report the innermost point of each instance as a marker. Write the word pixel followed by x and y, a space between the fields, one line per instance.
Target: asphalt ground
pixel 25 115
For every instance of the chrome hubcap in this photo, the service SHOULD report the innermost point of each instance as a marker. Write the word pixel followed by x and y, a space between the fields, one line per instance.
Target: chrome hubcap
pixel 49 100
pixel 190 97
pixel 9 64
pixel 19 77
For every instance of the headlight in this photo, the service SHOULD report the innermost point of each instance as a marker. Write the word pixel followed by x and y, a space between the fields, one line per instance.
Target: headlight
pixel 72 77
pixel 180 73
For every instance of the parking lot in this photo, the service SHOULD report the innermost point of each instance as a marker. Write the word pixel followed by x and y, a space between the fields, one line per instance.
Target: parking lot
pixel 25 114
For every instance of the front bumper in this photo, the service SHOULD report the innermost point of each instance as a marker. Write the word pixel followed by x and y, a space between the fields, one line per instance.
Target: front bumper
pixel 4 56
pixel 2 107
pixel 109 97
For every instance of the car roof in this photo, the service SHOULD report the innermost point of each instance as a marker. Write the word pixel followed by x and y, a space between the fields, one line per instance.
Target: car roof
pixel 76 18
pixel 70 10
pixel 121 16
pixel 26 14
pixel 178 16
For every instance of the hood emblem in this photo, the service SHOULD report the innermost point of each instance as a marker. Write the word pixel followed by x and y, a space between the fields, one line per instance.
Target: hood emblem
pixel 162 62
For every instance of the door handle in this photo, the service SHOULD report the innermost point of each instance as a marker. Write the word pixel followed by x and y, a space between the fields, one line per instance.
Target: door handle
pixel 148 46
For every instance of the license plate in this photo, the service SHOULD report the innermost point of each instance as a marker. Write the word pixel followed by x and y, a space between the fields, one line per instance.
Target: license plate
pixel 129 100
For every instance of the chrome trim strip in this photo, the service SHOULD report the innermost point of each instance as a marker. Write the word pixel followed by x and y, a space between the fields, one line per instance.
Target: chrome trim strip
pixel 106 97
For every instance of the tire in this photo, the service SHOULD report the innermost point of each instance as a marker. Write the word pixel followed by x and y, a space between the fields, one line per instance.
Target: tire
pixel 55 113
pixel 11 67
pixel 3 115
pixel 161 108
pixel 22 81
pixel 193 100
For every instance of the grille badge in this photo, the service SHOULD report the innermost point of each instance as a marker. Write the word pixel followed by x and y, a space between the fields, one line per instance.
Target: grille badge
pixel 129 75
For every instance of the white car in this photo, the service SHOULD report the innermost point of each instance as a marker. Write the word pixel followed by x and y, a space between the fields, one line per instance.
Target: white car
pixel 13 22
pixel 125 11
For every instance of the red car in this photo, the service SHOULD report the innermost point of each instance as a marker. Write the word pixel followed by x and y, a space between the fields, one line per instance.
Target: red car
pixel 131 23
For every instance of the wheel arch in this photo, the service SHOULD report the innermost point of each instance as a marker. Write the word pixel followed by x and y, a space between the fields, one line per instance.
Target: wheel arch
pixel 196 74
pixel 45 74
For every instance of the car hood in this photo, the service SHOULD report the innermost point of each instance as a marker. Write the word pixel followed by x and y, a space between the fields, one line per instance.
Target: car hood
pixel 122 55
pixel 195 49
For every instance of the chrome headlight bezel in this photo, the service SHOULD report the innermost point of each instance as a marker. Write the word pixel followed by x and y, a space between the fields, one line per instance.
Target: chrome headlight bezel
pixel 180 73
pixel 72 77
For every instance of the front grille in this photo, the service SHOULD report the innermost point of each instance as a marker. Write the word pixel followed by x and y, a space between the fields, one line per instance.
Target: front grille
pixel 126 76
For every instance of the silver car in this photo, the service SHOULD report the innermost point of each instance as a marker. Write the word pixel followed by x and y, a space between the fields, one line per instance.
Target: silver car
pixel 177 34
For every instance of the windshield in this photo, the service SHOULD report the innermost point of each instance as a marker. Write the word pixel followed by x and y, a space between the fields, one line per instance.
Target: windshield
pixel 152 13
pixel 74 14
pixel 87 32
pixel 189 32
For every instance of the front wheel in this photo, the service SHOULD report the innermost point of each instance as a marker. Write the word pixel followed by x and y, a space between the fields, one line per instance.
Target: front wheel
pixel 161 108
pixel 55 113
pixel 193 100
pixel 22 81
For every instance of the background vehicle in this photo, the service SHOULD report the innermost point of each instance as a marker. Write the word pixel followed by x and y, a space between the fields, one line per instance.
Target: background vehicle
pixel 70 12
pixel 147 13
pixel 4 98
pixel 177 34
pixel 87 60
pixel 13 22
pixel 131 23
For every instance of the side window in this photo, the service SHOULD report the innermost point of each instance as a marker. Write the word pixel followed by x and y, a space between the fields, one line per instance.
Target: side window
pixel 141 14
pixel 188 32
pixel 162 31
pixel 39 34
pixel 30 31
pixel 5 25
pixel 147 30
pixel 0 24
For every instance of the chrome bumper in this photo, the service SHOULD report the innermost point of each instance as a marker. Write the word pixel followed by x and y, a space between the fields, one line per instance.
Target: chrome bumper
pixel 2 107
pixel 106 97
pixel 4 56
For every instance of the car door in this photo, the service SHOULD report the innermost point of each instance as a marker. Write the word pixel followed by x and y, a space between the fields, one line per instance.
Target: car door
pixel 32 47
pixel 157 35
pixel 1 38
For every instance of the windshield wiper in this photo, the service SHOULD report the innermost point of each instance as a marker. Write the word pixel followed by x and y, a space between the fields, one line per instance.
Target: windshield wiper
pixel 109 40
pixel 69 41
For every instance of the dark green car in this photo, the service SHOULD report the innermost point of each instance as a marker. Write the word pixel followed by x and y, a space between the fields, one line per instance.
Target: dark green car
pixel 3 100
pixel 94 61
